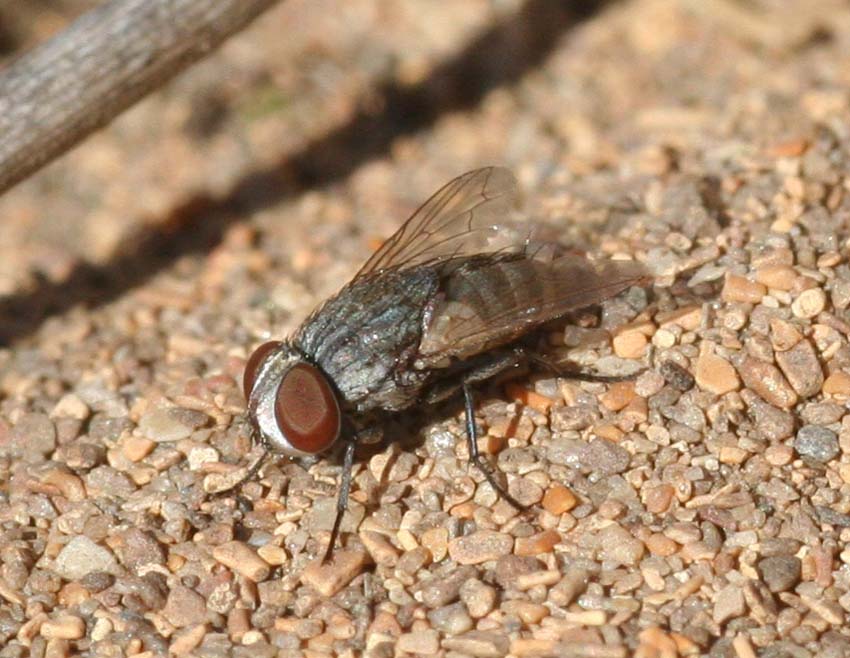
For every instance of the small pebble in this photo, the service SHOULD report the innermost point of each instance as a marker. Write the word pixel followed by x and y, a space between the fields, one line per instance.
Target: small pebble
pixel 768 382
pixel 801 368
pixel 780 573
pixel 526 581
pixel 184 607
pixel 136 448
pixel 837 385
pixel 442 589
pixel 344 566
pixel 65 627
pixel 436 540
pixel 618 395
pixel 783 334
pixel 242 559
pixel 779 454
pixel 186 640
pixel 728 603
pixel 809 303
pixel 478 597
pixel 817 443
pixel 527 612
pixel 426 642
pixel 379 547
pixel 619 546
pixel 272 554
pixel 537 544
pixel 138 549
pixel 34 434
pixel 558 499
pixel 630 344
pixel 71 406
pixel 777 277
pixel 480 547
pixel 715 374
pixel 738 289
pixel 658 499
pixel 486 644
pixel 676 376
pixel 69 485
pixel 659 544
pixel 81 556
pixel 452 619
pixel 535 647
pixel 162 425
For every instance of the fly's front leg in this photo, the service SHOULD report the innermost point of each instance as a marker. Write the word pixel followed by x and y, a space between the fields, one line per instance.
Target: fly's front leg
pixel 342 496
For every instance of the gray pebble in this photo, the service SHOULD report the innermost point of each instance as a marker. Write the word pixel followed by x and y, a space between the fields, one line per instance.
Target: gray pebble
pixel 822 413
pixel 451 619
pixel 676 376
pixel 185 607
pixel 509 567
pixel 479 597
pixel 598 456
pixel 323 512
pixel 138 548
pixel 33 434
pixel 444 588
pixel 770 422
pixel 106 481
pixel 81 556
pixel 166 425
pixel 780 572
pixel 105 428
pixel 487 644
pixel 606 457
pixel 574 417
pixel 802 368
pixel 817 443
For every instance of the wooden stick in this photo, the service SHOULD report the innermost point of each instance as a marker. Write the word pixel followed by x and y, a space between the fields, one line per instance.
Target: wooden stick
pixel 60 92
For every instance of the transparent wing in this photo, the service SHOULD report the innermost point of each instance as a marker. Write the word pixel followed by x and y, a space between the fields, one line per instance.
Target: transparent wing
pixel 490 300
pixel 468 215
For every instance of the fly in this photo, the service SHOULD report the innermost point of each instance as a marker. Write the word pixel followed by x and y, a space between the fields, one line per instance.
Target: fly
pixel 436 310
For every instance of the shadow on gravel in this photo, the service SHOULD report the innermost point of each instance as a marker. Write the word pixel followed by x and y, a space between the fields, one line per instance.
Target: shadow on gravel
pixel 500 56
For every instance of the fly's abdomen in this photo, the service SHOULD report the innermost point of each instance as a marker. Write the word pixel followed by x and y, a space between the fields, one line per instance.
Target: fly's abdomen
pixel 489 301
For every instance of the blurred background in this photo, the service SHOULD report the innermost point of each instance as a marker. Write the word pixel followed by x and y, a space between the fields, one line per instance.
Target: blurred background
pixel 386 100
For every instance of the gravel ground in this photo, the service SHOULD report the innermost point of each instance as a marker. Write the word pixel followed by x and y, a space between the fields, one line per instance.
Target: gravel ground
pixel 700 509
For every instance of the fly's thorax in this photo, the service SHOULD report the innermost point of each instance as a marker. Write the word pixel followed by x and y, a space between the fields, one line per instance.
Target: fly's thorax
pixel 291 404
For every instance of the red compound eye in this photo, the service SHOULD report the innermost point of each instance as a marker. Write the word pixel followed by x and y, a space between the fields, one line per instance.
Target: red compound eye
pixel 307 410
pixel 253 365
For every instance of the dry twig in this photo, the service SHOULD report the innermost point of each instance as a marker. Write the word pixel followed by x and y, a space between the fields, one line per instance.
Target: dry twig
pixel 57 94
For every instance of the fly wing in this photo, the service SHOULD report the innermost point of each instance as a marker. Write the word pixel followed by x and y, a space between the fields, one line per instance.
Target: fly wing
pixel 469 215
pixel 488 301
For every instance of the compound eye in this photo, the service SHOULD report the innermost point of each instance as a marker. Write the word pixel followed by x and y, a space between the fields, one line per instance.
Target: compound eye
pixel 307 410
pixel 253 365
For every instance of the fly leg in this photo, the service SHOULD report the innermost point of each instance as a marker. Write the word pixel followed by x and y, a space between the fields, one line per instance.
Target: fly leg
pixel 475 456
pixel 251 473
pixel 342 496
pixel 255 468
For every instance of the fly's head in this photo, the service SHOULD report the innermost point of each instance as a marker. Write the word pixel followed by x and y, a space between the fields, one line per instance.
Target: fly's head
pixel 291 404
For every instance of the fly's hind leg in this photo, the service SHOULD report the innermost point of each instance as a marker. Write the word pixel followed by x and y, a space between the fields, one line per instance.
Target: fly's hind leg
pixel 475 456
pixel 496 364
